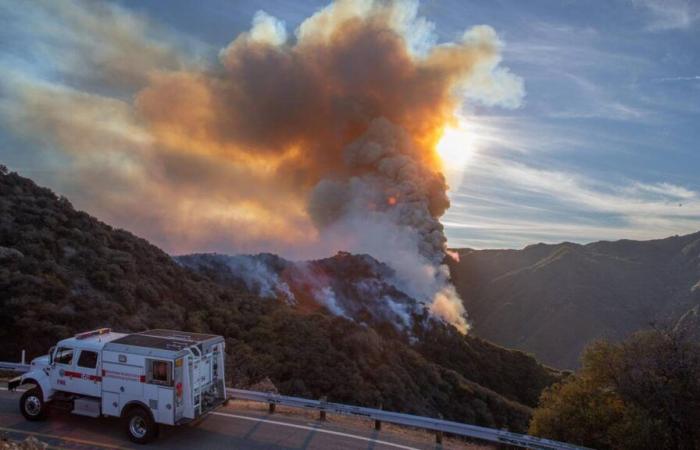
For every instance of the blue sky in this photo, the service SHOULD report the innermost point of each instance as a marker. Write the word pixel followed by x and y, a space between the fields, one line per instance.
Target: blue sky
pixel 605 144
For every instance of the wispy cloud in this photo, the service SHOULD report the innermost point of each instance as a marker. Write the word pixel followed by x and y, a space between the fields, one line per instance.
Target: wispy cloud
pixel 601 149
pixel 580 69
pixel 671 79
pixel 91 43
pixel 670 14
pixel 511 204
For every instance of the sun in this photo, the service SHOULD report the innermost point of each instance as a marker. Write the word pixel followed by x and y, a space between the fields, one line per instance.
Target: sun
pixel 456 147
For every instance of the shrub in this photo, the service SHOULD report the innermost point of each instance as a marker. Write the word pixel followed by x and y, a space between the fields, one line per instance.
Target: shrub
pixel 643 393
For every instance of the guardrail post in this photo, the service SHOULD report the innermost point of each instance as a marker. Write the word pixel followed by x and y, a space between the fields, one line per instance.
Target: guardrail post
pixel 271 408
pixel 378 423
pixel 23 355
pixel 438 433
pixel 323 411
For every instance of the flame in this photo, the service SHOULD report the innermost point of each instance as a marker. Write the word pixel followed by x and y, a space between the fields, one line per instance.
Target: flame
pixel 452 254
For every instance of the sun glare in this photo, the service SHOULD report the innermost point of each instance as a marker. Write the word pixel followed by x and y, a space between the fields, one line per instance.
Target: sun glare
pixel 456 147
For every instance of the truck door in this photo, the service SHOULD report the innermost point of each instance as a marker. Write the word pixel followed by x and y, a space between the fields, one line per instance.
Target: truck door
pixel 85 377
pixel 63 366
pixel 159 390
pixel 179 389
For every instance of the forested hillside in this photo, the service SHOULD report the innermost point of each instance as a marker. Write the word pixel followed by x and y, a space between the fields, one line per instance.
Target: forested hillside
pixel 62 271
pixel 552 300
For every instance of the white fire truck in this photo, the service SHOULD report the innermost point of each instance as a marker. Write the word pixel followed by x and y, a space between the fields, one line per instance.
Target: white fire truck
pixel 148 378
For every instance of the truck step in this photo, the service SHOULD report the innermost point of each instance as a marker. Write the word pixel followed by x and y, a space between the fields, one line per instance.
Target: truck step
pixel 87 407
pixel 61 405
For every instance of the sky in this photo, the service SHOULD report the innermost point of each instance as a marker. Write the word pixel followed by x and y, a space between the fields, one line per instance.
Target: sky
pixel 600 142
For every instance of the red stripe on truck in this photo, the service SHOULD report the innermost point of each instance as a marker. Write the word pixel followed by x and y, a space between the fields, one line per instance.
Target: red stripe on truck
pixel 83 376
pixel 123 375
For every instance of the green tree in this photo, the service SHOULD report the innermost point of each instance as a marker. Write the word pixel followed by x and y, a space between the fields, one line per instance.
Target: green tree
pixel 638 394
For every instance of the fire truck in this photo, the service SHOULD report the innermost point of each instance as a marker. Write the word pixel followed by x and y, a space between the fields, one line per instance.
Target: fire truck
pixel 148 378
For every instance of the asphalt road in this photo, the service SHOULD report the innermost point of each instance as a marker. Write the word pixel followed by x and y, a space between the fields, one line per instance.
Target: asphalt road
pixel 237 426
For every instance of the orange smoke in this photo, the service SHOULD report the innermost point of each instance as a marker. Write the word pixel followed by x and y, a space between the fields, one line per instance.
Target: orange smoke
pixel 286 110
pixel 453 254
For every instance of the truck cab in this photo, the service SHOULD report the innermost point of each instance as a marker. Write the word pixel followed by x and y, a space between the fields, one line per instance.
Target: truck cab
pixel 148 378
pixel 77 363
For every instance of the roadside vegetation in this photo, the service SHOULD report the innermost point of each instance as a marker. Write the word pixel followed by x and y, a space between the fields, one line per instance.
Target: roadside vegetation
pixel 29 443
pixel 643 393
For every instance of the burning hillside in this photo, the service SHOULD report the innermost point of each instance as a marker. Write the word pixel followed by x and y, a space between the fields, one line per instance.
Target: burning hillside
pixel 302 144
pixel 357 287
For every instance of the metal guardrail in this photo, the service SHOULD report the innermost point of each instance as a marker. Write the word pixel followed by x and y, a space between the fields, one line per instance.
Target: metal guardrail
pixel 437 425
pixel 19 367
pixel 14 367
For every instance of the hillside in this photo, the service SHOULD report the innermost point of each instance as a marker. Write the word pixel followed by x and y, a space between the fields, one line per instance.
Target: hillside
pixel 551 300
pixel 62 271
pixel 361 289
pixel 357 287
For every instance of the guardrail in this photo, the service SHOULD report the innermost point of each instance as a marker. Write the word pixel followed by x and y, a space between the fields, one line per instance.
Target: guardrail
pixel 438 425
pixel 14 367
pixel 20 367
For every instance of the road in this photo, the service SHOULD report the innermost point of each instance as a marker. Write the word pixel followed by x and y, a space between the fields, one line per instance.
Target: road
pixel 240 425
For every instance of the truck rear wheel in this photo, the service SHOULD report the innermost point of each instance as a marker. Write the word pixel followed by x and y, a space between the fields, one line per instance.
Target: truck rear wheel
pixel 140 426
pixel 32 405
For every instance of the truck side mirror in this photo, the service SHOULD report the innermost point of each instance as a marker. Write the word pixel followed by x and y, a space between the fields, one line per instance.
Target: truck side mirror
pixel 51 352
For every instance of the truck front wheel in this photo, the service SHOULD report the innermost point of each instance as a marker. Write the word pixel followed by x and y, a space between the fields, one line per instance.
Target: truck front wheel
pixel 140 426
pixel 32 405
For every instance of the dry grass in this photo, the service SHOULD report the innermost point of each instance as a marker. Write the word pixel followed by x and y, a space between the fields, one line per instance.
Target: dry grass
pixel 31 443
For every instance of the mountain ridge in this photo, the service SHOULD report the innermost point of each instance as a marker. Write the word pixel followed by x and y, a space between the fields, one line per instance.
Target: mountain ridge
pixel 553 299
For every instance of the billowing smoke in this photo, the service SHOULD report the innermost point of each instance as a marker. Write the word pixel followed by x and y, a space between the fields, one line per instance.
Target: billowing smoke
pixel 389 207
pixel 301 143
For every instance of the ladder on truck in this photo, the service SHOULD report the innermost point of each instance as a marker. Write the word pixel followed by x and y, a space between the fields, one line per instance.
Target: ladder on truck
pixel 197 363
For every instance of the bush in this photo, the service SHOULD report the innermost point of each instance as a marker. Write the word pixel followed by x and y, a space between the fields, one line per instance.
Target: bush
pixel 643 393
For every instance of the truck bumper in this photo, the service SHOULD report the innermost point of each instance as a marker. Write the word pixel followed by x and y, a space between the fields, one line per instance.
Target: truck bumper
pixel 218 404
pixel 13 383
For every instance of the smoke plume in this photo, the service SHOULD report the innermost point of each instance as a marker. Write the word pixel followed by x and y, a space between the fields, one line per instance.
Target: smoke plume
pixel 304 143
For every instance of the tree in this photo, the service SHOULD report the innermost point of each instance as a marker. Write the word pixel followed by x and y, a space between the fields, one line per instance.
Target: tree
pixel 641 393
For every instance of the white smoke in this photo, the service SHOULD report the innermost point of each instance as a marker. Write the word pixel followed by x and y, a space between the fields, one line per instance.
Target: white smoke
pixel 257 275
pixel 389 207
pixel 326 297
pixel 356 287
